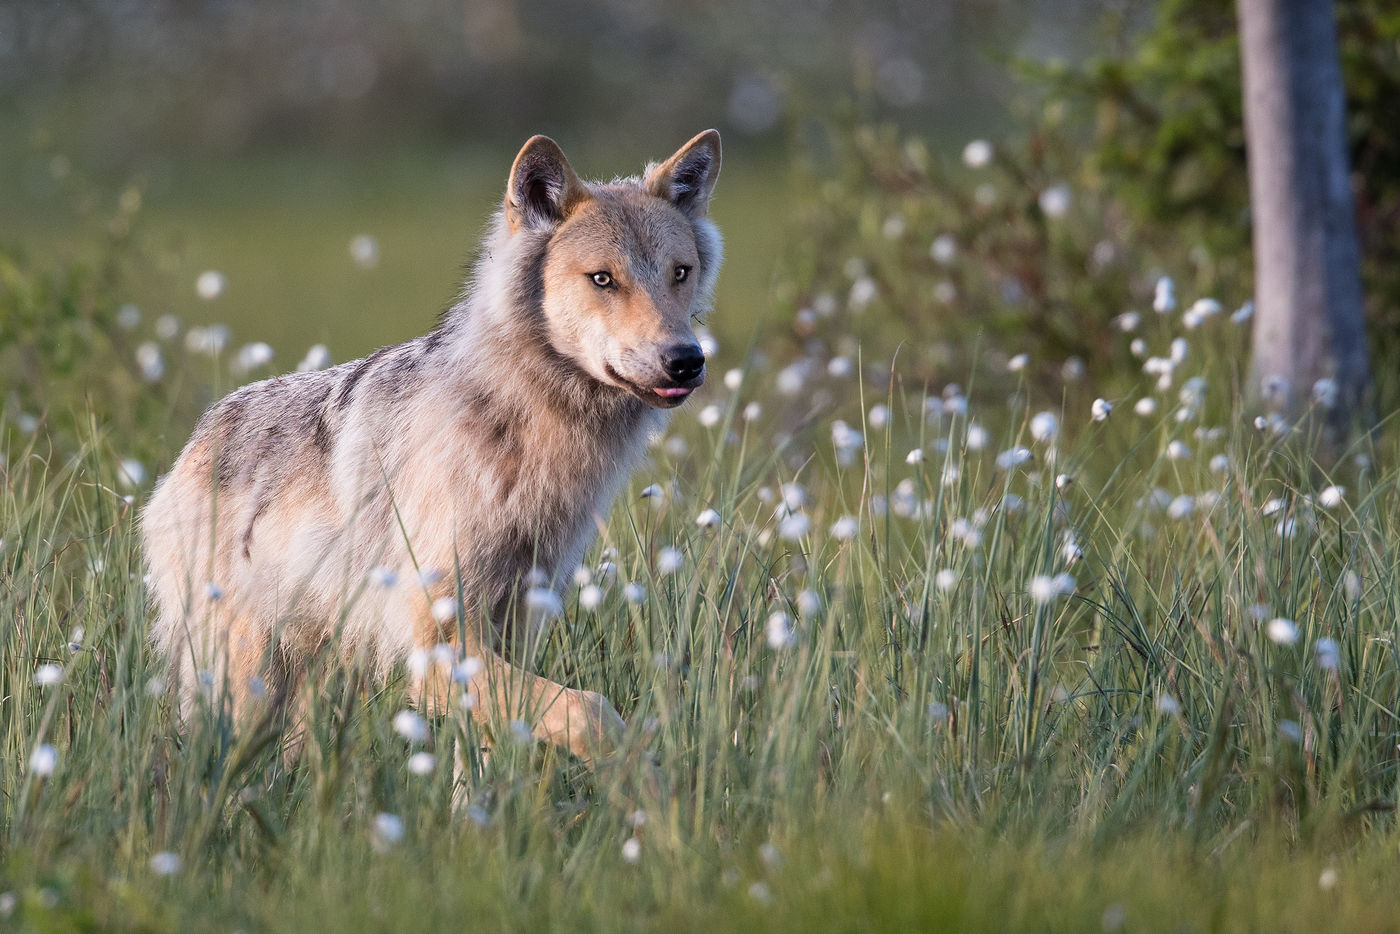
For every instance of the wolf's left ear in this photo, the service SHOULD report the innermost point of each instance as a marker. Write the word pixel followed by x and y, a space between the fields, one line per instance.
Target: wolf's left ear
pixel 543 187
pixel 687 179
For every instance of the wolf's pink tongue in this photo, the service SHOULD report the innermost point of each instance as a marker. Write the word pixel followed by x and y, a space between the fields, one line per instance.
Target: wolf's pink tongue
pixel 671 393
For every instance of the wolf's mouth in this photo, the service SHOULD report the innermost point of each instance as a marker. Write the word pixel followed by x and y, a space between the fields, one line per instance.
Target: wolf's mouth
pixel 660 397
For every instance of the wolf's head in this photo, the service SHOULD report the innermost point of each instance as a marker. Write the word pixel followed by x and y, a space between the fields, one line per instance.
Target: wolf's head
pixel 627 266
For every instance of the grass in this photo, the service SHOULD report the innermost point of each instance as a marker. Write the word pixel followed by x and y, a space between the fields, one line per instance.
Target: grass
pixel 849 739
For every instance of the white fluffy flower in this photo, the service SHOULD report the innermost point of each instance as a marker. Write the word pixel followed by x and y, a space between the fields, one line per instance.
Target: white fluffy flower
pixel 669 560
pixel 632 850
pixel 411 726
pixel 1045 427
pixel 1331 497
pixel 386 831
pixel 43 761
pixel 778 630
pixel 845 528
pixel 1101 409
pixel 210 284
pixel 1282 631
pixel 977 154
pixel 1328 654
pixel 48 674
pixel 707 519
pixel 946 579
pixel 422 763
pixel 165 863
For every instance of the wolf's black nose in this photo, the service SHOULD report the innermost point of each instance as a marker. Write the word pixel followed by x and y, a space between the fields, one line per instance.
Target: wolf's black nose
pixel 682 362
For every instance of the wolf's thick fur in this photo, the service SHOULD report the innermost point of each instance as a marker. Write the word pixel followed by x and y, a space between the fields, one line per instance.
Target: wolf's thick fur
pixel 484 449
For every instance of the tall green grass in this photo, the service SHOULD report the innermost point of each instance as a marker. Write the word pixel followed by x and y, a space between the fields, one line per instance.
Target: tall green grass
pixel 872 695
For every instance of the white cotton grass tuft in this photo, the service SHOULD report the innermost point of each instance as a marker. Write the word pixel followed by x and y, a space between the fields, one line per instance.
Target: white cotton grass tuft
pixel 978 154
pixel 1281 631
pixel 845 528
pixel 165 863
pixel 364 251
pixel 444 609
pixel 1100 410
pixel 43 761
pixel 946 579
pixel 543 603
pixel 631 850
pixel 669 560
pixel 318 357
pixel 1332 496
pixel 794 527
pixel 48 675
pixel 210 284
pixel 386 832
pixel 708 519
pixel 1044 427
pixel 778 630
pixel 1045 588
pixel 590 597
pixel 1327 653
pixel 411 726
pixel 422 763
pixel 634 592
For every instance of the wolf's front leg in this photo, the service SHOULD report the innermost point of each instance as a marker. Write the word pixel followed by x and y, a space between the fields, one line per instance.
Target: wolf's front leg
pixel 583 722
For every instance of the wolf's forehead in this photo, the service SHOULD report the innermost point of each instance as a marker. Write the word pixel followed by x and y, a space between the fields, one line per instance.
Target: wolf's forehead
pixel 634 224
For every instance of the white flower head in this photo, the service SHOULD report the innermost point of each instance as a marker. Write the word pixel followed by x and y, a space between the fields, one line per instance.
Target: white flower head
pixel 1019 362
pixel 946 579
pixel 210 284
pixel 165 863
pixel 845 528
pixel 710 415
pixel 1328 654
pixel 445 609
pixel 43 761
pixel 708 519
pixel 632 850
pixel 943 249
pixel 794 527
pixel 422 763
pixel 1168 705
pixel 634 592
pixel 1055 200
pixel 364 251
pixel 411 726
pixel 1101 409
pixel 386 832
pixel 1282 631
pixel 669 560
pixel 1045 427
pixel 48 674
pixel 590 597
pixel 1146 407
pixel 1332 496
pixel 977 154
pixel 1164 296
pixel 543 603
pixel 778 630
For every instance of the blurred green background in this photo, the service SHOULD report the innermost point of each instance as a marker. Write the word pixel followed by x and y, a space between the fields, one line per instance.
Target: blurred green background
pixel 262 138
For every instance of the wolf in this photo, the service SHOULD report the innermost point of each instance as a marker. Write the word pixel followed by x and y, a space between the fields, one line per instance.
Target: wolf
pixel 404 507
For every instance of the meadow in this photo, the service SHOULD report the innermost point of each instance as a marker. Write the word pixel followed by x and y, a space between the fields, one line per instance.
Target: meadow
pixel 924 628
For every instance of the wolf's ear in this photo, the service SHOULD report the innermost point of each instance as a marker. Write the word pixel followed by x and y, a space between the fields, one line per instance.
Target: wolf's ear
pixel 543 188
pixel 687 179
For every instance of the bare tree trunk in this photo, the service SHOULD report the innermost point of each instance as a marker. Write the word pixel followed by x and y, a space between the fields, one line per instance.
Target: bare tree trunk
pixel 1309 323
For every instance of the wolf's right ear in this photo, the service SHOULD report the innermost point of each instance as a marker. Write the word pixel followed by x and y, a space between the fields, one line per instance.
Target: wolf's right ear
pixel 543 187
pixel 687 179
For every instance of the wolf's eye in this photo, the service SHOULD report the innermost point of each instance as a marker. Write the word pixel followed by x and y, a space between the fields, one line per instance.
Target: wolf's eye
pixel 682 273
pixel 602 279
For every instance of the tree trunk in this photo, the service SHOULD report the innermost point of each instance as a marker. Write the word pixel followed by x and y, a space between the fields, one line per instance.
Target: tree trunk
pixel 1309 323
